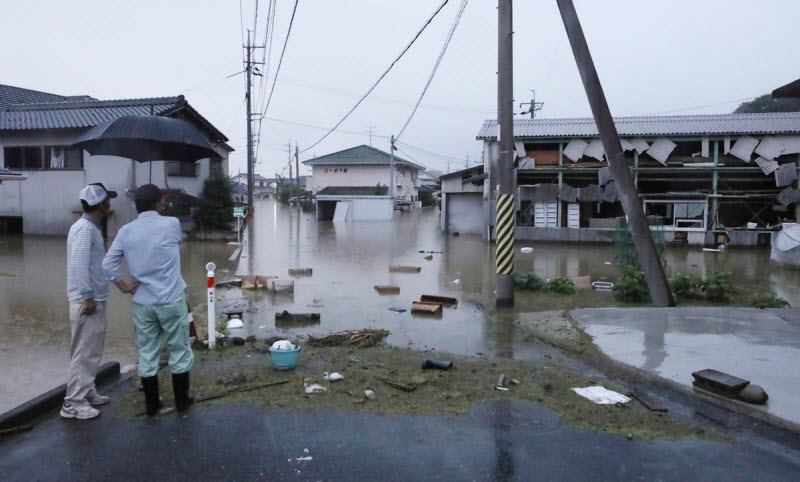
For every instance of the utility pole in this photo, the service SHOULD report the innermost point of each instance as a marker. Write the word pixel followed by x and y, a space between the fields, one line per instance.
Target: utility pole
pixel 297 166
pixel 248 71
pixel 534 106
pixel 466 163
pixel 370 134
pixel 289 149
pixel 391 169
pixel 448 166
pixel 505 211
pixel 646 253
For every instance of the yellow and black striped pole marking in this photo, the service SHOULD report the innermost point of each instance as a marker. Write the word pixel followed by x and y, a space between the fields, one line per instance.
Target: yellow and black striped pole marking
pixel 505 221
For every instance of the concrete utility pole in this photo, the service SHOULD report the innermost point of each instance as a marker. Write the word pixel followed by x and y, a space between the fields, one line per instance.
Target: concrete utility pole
pixel 505 211
pixel 289 148
pixel 646 253
pixel 248 72
pixel 534 106
pixel 297 166
pixel 466 162
pixel 391 169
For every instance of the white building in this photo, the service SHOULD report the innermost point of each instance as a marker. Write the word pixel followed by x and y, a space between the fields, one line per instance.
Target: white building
pixel 36 129
pixel 357 180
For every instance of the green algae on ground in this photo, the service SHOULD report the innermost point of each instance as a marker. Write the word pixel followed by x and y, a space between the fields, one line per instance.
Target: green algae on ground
pixel 455 391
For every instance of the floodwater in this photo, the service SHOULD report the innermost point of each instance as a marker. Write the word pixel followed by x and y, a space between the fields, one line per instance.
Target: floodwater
pixel 347 259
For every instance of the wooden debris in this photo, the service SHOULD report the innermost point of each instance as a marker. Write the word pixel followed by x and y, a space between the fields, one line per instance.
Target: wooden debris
pixel 387 289
pixel 300 271
pixel 359 338
pixel 398 385
pixel 256 282
pixel 427 308
pixel 443 300
pixel 285 318
pixel 281 286
pixel 405 269
pixel 648 403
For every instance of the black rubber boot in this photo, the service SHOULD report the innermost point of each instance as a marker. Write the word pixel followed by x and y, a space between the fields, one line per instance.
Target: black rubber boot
pixel 180 386
pixel 151 401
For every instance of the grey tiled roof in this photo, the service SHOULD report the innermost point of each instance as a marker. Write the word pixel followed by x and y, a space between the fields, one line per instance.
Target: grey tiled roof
pixel 354 191
pixel 80 114
pixel 674 125
pixel 10 95
pixel 359 155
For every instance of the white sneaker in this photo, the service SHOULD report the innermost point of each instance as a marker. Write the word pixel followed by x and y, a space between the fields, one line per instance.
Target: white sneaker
pixel 81 412
pixel 97 399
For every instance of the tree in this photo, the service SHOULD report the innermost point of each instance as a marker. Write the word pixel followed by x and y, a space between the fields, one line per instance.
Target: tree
pixel 766 103
pixel 217 209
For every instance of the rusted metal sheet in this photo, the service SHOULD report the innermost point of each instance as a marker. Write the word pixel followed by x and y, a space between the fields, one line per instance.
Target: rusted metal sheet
pixel 785 174
pixel 568 193
pixel 660 149
pixel 769 148
pixel 575 149
pixel 563 235
pixel 604 176
pixel 744 147
pixel 405 269
pixel 595 149
pixel 443 300
pixel 387 289
pixel 427 308
pixel 740 237
pixel 768 166
pixel 592 193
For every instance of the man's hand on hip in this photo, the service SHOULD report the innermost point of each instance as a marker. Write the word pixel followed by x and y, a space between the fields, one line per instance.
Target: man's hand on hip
pixel 127 288
pixel 88 307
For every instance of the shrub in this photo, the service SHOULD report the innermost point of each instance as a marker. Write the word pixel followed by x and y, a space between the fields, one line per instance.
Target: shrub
pixel 631 286
pixel 529 281
pixel 687 285
pixel 561 285
pixel 718 286
pixel 769 300
pixel 217 210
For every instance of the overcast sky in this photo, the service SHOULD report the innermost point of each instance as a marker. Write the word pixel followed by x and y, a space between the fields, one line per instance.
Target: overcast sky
pixel 653 57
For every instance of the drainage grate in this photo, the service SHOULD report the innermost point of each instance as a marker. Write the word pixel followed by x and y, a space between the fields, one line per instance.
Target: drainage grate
pixel 512 414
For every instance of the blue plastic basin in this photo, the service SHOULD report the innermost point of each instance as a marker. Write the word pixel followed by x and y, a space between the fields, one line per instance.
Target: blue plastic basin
pixel 284 359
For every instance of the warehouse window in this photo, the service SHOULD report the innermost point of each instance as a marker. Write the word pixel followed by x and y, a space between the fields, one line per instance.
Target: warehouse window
pixel 23 158
pixel 181 169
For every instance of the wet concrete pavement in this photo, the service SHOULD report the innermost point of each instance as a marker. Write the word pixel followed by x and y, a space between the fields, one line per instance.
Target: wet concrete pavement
pixel 516 441
pixel 757 345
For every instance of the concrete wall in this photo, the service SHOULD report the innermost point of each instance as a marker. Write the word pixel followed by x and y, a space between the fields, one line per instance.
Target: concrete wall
pixel 372 175
pixel 48 200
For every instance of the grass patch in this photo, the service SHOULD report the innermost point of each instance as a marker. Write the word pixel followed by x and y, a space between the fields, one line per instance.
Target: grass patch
pixel 769 300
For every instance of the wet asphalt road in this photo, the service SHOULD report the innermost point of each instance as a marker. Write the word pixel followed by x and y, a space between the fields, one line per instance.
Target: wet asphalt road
pixel 245 442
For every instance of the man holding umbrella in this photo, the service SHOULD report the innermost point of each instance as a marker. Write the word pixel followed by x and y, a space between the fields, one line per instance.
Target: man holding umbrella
pixel 151 246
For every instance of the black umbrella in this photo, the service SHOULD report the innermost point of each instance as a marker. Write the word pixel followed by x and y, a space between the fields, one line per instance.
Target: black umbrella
pixel 146 138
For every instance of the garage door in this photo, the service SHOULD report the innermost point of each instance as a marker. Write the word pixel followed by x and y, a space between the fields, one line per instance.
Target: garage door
pixel 465 213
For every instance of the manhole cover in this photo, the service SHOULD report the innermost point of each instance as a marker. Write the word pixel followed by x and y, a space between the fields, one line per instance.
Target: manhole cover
pixel 512 414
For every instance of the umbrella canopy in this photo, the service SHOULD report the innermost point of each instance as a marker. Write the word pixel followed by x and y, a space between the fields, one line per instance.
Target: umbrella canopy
pixel 146 138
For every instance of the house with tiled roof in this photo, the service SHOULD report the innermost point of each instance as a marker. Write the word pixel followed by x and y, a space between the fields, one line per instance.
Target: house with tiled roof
pixel 36 132
pixel 357 182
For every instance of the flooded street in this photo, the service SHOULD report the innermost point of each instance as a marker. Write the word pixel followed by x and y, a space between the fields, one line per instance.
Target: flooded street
pixel 347 259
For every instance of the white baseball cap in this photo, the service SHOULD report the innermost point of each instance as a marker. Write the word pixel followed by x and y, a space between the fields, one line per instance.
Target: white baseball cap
pixel 96 193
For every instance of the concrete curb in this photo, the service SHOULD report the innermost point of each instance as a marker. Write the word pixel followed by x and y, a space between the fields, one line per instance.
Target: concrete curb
pixel 50 400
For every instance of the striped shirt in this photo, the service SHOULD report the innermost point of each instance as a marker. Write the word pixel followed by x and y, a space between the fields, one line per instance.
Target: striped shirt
pixel 151 246
pixel 85 251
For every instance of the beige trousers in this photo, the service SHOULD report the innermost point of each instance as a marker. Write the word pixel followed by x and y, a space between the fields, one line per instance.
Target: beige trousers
pixel 86 350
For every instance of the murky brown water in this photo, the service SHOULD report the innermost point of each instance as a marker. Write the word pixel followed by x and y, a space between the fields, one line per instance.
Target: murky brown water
pixel 348 260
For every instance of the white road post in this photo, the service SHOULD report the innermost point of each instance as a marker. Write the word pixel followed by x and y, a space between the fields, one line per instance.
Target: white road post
pixel 212 317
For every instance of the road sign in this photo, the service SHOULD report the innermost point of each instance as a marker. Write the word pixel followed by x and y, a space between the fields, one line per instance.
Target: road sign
pixel 238 211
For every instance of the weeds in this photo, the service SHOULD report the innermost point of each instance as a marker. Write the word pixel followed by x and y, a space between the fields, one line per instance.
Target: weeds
pixel 769 300
pixel 718 286
pixel 687 285
pixel 561 285
pixel 631 286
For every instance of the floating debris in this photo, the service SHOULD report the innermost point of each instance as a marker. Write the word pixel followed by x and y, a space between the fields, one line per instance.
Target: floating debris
pixel 359 338
pixel 405 269
pixel 443 300
pixel 427 308
pixel 601 395
pixel 300 271
pixel 387 289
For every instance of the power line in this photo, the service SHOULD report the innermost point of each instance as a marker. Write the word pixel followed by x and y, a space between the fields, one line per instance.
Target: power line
pixel 414 39
pixel 430 153
pixel 280 60
pixel 435 66
pixel 702 106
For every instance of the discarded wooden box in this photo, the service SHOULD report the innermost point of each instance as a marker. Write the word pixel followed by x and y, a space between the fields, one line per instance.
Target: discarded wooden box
pixel 256 282
pixel 387 289
pixel 443 300
pixel 719 382
pixel 426 308
pixel 281 286
pixel 300 271
pixel 405 269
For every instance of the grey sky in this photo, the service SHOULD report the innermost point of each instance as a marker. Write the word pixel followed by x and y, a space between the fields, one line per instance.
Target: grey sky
pixel 652 57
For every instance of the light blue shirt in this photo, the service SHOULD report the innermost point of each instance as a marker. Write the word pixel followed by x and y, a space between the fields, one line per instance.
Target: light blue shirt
pixel 151 246
pixel 85 251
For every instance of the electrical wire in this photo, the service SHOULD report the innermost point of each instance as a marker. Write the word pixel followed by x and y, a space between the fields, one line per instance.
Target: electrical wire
pixel 430 153
pixel 403 52
pixel 280 60
pixel 436 65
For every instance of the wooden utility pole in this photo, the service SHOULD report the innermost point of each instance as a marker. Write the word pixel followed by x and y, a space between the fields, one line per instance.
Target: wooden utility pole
pixel 505 211
pixel 646 253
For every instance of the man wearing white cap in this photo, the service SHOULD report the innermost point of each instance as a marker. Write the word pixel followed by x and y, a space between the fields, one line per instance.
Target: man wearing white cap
pixel 87 291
